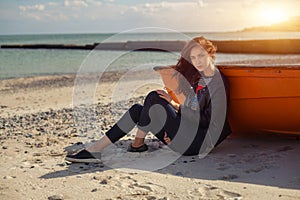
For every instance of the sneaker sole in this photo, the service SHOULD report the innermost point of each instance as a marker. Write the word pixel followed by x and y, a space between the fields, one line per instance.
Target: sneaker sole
pixel 140 149
pixel 83 160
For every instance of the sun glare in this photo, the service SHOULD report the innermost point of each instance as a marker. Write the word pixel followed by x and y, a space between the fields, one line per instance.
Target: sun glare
pixel 273 15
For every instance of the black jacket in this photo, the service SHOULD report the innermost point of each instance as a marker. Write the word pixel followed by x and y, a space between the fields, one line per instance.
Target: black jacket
pixel 210 119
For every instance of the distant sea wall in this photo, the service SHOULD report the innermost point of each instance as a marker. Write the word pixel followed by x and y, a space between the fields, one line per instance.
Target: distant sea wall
pixel 278 46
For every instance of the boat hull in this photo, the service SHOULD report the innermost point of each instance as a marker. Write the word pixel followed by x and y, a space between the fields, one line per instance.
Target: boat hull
pixel 264 99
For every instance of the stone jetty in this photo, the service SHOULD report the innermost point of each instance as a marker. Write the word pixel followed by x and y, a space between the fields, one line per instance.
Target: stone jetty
pixel 273 46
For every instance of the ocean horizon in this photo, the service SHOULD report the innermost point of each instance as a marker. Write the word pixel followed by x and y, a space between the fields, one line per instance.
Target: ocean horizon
pixel 90 38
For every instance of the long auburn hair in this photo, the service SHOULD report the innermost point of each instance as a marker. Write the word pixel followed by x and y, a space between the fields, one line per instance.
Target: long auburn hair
pixel 184 65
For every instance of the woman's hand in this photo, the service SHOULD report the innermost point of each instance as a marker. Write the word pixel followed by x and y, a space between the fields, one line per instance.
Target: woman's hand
pixel 167 139
pixel 164 95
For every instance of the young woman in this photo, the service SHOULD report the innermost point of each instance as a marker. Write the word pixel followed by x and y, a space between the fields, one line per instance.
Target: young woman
pixel 194 127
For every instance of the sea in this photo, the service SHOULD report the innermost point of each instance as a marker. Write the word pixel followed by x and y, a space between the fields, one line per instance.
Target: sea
pixel 17 63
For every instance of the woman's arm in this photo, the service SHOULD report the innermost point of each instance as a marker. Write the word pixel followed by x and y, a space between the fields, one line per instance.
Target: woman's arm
pixel 163 94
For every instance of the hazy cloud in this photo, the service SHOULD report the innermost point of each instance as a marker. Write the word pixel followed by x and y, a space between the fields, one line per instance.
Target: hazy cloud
pixel 39 7
pixel 99 10
pixel 75 3
pixel 109 15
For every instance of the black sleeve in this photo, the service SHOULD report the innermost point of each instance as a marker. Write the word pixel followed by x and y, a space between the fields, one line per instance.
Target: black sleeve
pixel 202 115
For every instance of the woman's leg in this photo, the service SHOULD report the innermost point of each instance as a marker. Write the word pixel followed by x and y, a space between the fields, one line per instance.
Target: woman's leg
pixel 139 138
pixel 99 145
pixel 140 115
pixel 160 121
pixel 119 130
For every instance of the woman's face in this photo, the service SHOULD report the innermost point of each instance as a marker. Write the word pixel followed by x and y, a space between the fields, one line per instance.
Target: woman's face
pixel 200 58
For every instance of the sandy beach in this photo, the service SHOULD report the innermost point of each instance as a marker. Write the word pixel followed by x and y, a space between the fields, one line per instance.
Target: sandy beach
pixel 38 127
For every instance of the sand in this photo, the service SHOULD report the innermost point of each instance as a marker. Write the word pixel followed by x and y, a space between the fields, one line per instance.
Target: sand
pixel 38 126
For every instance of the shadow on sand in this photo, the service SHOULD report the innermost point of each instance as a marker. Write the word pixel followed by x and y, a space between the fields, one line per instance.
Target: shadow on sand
pixel 270 161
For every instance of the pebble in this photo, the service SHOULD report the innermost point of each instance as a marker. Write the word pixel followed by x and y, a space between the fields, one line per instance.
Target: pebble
pixel 9 177
pixel 37 154
pixel 56 197
pixel 229 177
pixel 285 148
pixel 164 198
pixel 64 164
pixel 179 174
pixel 38 161
pixel 103 182
pixel 231 155
pixel 151 198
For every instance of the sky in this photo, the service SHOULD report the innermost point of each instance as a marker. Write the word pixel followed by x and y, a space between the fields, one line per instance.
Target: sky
pixel 112 16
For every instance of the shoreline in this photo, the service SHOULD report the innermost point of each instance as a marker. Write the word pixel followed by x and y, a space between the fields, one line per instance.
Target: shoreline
pixel 115 75
pixel 67 80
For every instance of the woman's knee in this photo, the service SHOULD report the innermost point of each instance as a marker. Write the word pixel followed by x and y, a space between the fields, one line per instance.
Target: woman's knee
pixel 152 97
pixel 135 112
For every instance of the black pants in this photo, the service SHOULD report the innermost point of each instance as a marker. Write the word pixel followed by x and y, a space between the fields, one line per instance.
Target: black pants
pixel 158 117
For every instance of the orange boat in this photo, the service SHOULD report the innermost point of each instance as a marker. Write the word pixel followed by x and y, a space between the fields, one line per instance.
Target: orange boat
pixel 262 98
